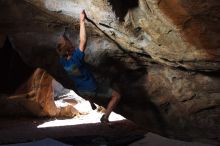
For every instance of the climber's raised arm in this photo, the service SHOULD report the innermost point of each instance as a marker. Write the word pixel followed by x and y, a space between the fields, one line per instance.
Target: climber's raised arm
pixel 82 33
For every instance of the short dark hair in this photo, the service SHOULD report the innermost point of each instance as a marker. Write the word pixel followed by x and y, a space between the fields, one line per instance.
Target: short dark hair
pixel 64 46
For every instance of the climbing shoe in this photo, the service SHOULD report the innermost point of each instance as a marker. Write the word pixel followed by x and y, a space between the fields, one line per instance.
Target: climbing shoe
pixel 104 119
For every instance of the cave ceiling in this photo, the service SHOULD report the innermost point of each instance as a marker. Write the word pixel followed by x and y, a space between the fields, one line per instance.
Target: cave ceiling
pixel 176 33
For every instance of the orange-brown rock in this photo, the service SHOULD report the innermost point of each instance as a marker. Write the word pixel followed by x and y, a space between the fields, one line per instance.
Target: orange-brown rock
pixel 36 95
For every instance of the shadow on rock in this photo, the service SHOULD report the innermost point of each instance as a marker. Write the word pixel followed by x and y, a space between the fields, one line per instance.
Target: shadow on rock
pixel 135 103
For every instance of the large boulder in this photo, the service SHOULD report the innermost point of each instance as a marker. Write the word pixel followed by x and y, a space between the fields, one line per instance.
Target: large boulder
pixel 36 97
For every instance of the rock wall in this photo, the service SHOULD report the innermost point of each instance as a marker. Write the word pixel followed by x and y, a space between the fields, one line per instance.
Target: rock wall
pixel 190 99
pixel 166 100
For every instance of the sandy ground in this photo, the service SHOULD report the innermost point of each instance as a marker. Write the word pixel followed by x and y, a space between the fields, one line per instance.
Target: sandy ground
pixel 17 130
pixel 82 130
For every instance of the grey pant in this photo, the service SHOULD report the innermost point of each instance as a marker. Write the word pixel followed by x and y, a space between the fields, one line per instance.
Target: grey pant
pixel 101 92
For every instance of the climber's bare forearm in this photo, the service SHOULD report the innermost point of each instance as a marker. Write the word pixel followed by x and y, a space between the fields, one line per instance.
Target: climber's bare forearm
pixel 82 33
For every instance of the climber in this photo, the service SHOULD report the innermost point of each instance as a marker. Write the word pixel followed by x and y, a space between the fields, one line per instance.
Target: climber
pixel 72 60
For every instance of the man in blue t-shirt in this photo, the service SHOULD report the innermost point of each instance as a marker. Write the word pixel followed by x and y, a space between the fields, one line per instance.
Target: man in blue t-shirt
pixel 72 60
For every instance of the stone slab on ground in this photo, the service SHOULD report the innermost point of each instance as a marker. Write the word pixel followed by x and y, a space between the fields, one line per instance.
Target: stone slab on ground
pixel 152 139
pixel 43 142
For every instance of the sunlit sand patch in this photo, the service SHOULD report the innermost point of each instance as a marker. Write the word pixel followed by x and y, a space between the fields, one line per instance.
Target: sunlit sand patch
pixel 91 116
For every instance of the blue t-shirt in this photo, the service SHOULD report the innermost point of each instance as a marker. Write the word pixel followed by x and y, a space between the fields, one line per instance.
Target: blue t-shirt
pixel 76 69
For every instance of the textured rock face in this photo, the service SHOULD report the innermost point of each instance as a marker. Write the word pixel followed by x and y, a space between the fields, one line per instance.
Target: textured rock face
pixel 163 55
pixel 35 97
pixel 197 22
pixel 167 100
pixel 176 33
pixel 186 97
